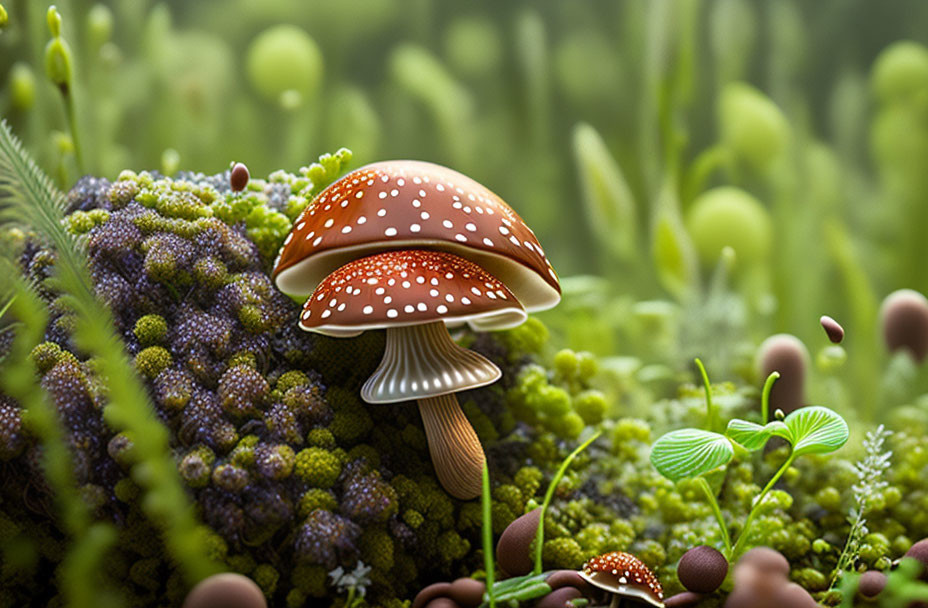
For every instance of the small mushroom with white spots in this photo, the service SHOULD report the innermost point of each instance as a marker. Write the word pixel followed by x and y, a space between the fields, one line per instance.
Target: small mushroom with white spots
pixel 413 247
pixel 413 294
pixel 624 576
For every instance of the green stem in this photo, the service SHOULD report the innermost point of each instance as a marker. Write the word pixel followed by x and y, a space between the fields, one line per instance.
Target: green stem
pixel 710 407
pixel 72 124
pixel 710 496
pixel 765 397
pixel 760 499
pixel 488 564
pixel 540 535
pixel 350 599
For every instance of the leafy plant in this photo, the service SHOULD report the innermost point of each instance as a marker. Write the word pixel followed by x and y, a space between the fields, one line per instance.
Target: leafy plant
pixel 692 453
pixel 870 481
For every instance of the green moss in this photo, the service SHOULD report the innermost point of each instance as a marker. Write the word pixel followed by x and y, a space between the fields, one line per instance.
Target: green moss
pixel 266 576
pixel 316 498
pixel 150 330
pixel 317 467
pixel 152 360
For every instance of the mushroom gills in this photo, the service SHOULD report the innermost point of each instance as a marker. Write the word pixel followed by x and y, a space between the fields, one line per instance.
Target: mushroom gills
pixel 422 361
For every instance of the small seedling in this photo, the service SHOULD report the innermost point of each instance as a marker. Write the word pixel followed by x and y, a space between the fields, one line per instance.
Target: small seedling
pixel 692 453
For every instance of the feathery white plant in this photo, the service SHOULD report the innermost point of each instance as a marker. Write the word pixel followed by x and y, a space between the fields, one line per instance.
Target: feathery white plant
pixel 870 482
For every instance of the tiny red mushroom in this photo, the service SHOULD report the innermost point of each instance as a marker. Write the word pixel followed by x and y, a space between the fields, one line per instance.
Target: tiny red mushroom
pixel 623 575
pixel 378 222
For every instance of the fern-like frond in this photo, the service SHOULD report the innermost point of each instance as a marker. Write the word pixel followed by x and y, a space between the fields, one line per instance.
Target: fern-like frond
pixel 27 197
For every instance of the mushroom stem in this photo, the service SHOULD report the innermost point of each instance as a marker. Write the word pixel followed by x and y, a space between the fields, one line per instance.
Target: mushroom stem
pixel 456 451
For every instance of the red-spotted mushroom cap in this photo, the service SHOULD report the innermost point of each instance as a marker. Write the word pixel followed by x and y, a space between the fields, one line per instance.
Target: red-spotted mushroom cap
pixel 625 575
pixel 414 205
pixel 409 287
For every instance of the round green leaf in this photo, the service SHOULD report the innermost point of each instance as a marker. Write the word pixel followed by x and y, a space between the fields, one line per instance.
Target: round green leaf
pixel 688 453
pixel 815 430
pixel 752 436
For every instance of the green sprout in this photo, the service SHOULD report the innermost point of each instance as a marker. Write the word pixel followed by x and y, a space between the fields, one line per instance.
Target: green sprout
pixel 692 453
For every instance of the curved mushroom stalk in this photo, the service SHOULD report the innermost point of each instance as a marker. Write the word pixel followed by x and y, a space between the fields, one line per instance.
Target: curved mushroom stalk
pixel 422 362
pixel 455 449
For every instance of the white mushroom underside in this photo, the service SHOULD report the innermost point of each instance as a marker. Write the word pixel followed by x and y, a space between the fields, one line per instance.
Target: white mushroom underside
pixel 529 288
pixel 613 584
pixel 422 361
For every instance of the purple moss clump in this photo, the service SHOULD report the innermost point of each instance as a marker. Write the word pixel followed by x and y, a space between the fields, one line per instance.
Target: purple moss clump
pixel 291 474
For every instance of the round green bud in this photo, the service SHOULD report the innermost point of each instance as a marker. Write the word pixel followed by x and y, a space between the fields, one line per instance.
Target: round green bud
pixel 58 63
pixel 53 17
pixel 553 401
pixel 752 127
pixel 4 17
pixel 566 363
pixel 729 217
pixel 900 71
pixel 568 426
pixel 284 58
pixel 587 365
pixel 22 86
pixel 829 498
pixel 591 406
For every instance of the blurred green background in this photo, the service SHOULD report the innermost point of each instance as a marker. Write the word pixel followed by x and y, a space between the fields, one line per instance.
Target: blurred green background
pixel 702 173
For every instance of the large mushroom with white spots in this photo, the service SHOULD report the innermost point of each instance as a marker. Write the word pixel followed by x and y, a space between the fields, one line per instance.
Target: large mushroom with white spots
pixel 412 247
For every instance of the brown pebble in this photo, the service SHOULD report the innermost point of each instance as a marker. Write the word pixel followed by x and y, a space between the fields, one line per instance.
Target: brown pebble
pixel 904 317
pixel 919 551
pixel 430 593
pixel 442 602
pixel 702 569
pixel 567 578
pixel 513 554
pixel 238 177
pixel 832 328
pixel 787 355
pixel 766 561
pixel 795 596
pixel 467 592
pixel 871 583
pixel 683 600
pixel 226 590
pixel 559 598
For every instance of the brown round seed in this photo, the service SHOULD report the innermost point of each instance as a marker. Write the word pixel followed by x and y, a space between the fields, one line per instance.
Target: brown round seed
pixel 832 328
pixel 238 177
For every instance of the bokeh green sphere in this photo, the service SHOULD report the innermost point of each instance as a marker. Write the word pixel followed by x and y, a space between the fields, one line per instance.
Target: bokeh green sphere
pixel 729 217
pixel 752 126
pixel 284 58
pixel 473 46
pixel 901 71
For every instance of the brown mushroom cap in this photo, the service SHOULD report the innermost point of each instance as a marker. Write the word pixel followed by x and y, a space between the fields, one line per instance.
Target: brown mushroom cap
pixel 414 205
pixel 625 575
pixel 229 590
pixel 409 287
pixel 786 354
pixel 702 569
